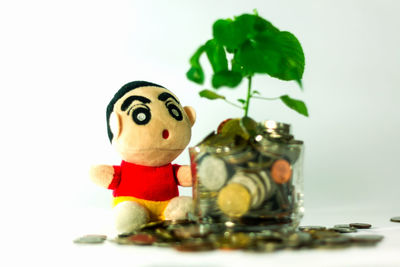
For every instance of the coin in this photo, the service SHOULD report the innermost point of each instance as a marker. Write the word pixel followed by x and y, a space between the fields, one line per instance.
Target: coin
pixel 361 225
pixel 340 241
pixel 249 125
pixel 341 226
pixel 191 231
pixel 311 227
pixel 345 230
pixel 90 239
pixel 323 234
pixel 298 239
pixel 142 239
pixel 234 200
pixel 196 245
pixel 268 246
pixel 232 127
pixel 240 157
pixel 152 225
pixel 367 239
pixel 281 171
pixel 212 173
pixel 233 241
pixel 395 219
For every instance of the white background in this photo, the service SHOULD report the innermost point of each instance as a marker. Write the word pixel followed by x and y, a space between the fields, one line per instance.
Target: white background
pixel 62 61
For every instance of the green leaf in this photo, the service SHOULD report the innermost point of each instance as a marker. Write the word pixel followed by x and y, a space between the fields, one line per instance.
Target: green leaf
pixel 242 101
pixel 210 94
pixel 278 54
pixel 216 55
pixel 295 104
pixel 225 34
pixel 226 78
pixel 196 73
pixel 233 33
pixel 249 125
pixel 256 93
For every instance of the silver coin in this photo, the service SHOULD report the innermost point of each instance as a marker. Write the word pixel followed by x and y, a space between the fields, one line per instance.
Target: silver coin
pixel 212 173
pixel 90 239
pixel 367 239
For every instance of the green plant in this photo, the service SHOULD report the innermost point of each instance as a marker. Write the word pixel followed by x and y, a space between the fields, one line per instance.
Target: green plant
pixel 253 45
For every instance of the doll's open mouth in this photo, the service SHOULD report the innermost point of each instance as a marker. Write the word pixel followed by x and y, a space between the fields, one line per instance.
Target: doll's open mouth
pixel 165 134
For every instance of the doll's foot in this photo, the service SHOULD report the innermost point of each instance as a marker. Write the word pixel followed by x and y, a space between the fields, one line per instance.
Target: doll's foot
pixel 129 216
pixel 178 208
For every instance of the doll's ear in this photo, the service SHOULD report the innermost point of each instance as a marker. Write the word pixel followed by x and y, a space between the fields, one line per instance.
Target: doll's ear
pixel 190 113
pixel 115 124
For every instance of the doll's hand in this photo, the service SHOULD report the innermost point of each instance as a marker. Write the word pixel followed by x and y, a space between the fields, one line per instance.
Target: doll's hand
pixel 184 176
pixel 102 175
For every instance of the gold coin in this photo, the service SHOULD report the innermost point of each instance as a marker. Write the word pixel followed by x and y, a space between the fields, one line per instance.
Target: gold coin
pixel 231 127
pixel 234 200
pixel 281 171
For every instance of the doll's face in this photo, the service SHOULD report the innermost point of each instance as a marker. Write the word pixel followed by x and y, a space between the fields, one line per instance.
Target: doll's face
pixel 150 127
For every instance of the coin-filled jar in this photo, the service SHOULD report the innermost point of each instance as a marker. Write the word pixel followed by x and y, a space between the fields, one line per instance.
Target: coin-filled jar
pixel 249 174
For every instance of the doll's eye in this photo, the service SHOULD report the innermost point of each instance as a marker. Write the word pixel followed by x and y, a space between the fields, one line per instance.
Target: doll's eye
pixel 141 116
pixel 175 112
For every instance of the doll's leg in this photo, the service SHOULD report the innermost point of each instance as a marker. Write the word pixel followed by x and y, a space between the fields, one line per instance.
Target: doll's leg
pixel 178 208
pixel 129 216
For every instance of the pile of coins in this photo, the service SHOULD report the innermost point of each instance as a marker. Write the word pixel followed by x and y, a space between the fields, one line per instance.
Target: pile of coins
pixel 248 172
pixel 190 236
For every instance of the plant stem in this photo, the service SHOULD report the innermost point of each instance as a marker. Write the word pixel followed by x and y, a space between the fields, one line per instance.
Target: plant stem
pixel 267 98
pixel 246 105
pixel 233 104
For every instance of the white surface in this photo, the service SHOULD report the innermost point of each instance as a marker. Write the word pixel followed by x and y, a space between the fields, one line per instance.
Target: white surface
pixel 61 62
pixel 52 246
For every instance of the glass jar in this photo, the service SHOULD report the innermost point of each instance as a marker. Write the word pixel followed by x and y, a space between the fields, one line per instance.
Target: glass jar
pixel 251 177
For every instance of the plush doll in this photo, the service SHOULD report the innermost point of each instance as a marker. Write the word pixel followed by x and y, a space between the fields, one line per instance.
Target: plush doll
pixel 149 128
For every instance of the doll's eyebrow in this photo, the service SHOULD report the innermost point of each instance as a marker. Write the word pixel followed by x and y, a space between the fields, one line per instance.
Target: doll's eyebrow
pixel 127 102
pixel 164 96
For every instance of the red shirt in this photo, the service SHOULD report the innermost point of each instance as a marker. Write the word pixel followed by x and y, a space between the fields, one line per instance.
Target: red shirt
pixel 150 183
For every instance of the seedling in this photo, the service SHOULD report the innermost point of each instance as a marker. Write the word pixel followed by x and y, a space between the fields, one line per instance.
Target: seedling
pixel 245 46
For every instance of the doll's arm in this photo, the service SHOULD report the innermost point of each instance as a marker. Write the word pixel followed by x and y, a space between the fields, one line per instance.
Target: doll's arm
pixel 184 176
pixel 102 175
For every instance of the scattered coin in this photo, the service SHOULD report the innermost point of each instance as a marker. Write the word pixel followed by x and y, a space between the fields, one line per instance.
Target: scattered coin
pixel 142 239
pixel 234 241
pixel 187 236
pixel 323 234
pixel 311 227
pixel 367 239
pixel 338 241
pixel 267 247
pixel 361 225
pixel 395 219
pixel 341 226
pixel 345 230
pixel 195 246
pixel 90 239
pixel 152 225
pixel 135 239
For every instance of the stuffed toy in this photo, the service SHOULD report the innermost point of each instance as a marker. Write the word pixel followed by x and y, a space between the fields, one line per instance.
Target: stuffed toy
pixel 149 128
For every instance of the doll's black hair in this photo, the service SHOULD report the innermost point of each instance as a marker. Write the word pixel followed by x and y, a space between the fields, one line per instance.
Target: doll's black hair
pixel 121 92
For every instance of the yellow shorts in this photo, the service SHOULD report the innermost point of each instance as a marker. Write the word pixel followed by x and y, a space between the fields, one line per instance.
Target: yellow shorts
pixel 155 208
